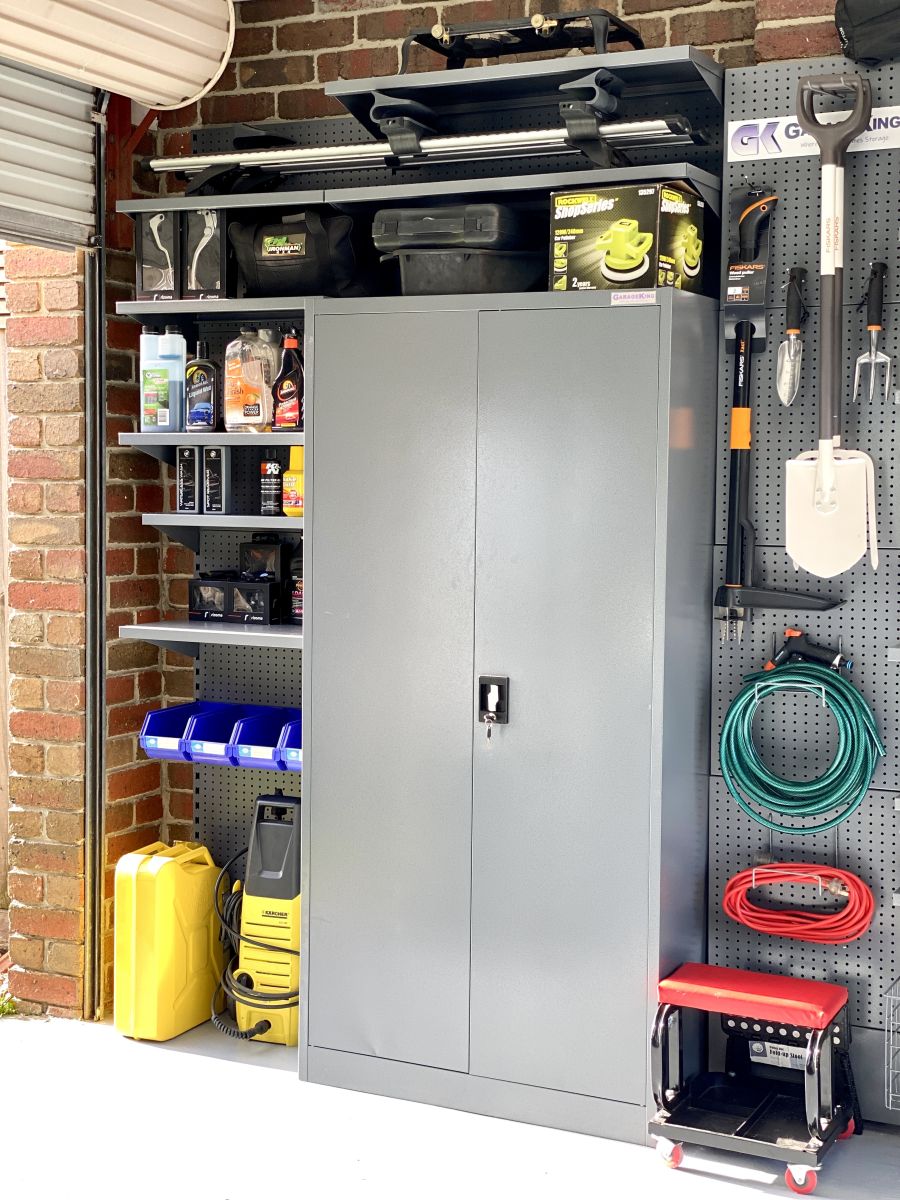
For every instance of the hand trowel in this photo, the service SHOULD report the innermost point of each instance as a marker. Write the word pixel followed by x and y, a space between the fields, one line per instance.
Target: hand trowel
pixel 790 352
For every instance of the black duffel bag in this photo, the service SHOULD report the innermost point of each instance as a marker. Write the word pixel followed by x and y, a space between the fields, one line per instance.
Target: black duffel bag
pixel 869 30
pixel 301 255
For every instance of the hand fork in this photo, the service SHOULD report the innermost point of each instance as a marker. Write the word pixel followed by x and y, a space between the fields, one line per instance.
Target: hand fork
pixel 874 358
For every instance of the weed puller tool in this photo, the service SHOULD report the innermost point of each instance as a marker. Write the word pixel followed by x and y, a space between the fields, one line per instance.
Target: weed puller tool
pixel 830 495
pixel 738 596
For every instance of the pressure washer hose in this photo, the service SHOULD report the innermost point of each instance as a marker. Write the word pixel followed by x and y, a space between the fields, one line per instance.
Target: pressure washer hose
pixel 840 790
pixel 828 928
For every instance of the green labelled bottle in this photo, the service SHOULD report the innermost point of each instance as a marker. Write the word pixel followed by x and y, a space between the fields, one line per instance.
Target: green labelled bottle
pixel 202 395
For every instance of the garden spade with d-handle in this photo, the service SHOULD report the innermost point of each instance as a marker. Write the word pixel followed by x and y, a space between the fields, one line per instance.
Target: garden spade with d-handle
pixel 830 497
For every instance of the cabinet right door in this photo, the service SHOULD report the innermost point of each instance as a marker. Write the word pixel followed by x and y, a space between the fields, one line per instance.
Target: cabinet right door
pixel 565 525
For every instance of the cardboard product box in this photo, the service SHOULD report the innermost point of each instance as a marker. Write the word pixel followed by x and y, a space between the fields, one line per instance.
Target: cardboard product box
pixel 158 244
pixel 205 255
pixel 636 236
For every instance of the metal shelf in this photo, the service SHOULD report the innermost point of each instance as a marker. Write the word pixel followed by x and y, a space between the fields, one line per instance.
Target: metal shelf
pixel 164 445
pixel 709 186
pixel 662 72
pixel 187 527
pixel 186 637
pixel 238 200
pixel 212 310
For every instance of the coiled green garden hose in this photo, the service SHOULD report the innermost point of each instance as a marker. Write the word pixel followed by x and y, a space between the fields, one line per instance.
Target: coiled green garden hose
pixel 841 788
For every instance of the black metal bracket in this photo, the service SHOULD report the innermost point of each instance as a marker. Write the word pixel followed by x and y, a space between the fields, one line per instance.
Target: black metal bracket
pixel 583 133
pixel 403 123
pixel 542 33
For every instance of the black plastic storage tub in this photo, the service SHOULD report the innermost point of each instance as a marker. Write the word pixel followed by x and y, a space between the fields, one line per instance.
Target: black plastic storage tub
pixel 462 248
pixel 449 272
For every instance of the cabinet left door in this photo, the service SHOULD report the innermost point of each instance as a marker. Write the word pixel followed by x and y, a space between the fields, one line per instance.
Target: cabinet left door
pixel 391 604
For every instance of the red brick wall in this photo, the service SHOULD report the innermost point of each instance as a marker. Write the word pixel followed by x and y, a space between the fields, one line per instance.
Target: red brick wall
pixel 46 599
pixel 286 50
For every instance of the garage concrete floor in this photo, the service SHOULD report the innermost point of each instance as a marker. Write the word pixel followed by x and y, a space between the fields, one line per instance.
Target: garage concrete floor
pixel 86 1113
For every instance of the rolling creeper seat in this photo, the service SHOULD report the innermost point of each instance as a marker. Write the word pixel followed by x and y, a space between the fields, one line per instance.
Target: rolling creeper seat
pixel 776 1028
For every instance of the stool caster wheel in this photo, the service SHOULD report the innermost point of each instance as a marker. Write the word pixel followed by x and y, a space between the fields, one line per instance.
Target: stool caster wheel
pixel 672 1153
pixel 848 1132
pixel 801 1181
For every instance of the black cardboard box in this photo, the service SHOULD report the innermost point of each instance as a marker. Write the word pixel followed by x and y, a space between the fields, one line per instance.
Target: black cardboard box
pixel 635 236
pixel 205 254
pixel 158 243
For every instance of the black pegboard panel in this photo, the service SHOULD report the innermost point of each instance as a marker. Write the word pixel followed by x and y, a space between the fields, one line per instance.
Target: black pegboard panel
pixel 872 179
pixel 224 796
pixel 699 106
pixel 780 433
pixel 795 735
pixel 862 844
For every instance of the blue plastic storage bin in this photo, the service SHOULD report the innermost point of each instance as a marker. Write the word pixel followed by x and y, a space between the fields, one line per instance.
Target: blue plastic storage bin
pixel 290 746
pixel 254 742
pixel 208 733
pixel 162 734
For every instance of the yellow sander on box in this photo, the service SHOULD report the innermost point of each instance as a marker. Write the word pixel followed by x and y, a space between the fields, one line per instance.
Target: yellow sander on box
pixel 261 925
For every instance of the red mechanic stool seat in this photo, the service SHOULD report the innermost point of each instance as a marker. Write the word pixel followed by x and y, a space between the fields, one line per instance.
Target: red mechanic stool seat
pixel 777 1028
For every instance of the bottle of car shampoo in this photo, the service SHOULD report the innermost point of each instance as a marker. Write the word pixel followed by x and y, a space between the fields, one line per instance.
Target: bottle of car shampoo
pixel 202 392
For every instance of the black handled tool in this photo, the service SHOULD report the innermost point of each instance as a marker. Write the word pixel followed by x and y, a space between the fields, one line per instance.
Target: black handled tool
pixel 738 596
pixel 790 352
pixel 873 358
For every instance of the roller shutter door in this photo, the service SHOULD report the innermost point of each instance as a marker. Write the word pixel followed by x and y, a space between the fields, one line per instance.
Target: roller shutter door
pixel 47 167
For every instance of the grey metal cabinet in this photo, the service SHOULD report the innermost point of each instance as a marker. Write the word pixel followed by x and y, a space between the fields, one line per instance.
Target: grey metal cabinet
pixel 393 576
pixel 520 487
pixel 564 571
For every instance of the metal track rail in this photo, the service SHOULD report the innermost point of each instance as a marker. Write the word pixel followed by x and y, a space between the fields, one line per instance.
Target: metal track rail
pixel 668 131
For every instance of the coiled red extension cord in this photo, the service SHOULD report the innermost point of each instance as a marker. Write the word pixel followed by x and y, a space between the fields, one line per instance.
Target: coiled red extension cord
pixel 828 928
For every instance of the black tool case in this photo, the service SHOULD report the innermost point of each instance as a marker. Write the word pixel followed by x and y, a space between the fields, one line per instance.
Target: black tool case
pixel 462 248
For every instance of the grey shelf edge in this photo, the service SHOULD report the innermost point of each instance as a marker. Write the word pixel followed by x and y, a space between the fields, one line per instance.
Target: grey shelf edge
pixel 247 200
pixel 164 445
pixel 685 63
pixel 709 186
pixel 187 527
pixel 286 306
pixel 186 637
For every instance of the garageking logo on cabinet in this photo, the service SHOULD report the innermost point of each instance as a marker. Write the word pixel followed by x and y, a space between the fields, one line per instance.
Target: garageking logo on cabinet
pixel 782 137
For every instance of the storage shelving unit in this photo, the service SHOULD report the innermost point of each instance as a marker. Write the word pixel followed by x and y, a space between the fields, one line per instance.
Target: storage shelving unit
pixel 263 664
pixel 163 445
pixel 188 636
pixel 188 527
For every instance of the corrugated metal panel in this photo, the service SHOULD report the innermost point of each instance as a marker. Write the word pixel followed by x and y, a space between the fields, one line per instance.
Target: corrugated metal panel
pixel 163 53
pixel 47 186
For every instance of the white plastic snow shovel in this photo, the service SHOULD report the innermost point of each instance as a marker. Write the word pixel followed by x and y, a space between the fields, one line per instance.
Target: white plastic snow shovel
pixel 830 494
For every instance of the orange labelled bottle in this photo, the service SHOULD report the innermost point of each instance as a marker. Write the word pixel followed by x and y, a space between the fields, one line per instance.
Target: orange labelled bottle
pixel 292 487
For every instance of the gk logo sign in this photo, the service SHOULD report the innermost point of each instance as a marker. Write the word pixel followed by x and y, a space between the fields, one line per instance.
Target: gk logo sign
pixel 755 140
pixel 782 137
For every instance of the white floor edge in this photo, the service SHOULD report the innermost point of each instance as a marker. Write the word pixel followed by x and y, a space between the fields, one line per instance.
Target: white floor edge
pixel 86 1113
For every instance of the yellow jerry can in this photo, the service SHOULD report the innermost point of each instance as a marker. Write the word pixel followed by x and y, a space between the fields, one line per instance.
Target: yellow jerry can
pixel 168 957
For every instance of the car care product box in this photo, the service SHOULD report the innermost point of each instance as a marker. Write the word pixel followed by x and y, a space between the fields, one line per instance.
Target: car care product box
pixel 617 238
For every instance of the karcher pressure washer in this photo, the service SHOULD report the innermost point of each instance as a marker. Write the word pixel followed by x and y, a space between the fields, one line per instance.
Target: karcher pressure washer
pixel 261 927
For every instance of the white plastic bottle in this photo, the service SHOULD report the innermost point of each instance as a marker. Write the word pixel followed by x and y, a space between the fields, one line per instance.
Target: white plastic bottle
pixel 270 339
pixel 172 357
pixel 155 404
pixel 248 397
